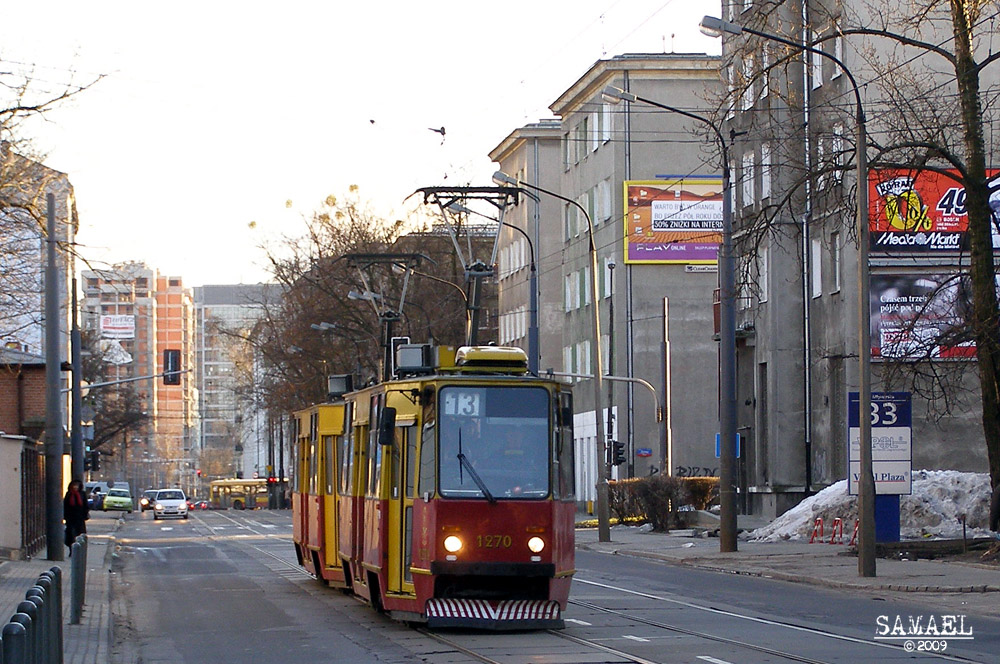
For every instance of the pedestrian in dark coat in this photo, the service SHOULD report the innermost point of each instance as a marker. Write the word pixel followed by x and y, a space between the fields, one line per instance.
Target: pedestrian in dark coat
pixel 75 512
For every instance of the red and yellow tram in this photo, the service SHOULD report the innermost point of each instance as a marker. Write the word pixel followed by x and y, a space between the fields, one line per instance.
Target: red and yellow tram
pixel 445 496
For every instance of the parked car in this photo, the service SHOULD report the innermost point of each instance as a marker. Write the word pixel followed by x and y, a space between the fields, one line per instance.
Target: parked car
pixel 95 498
pixel 118 499
pixel 147 499
pixel 170 503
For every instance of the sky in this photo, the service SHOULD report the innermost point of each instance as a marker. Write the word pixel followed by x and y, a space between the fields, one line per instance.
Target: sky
pixel 217 126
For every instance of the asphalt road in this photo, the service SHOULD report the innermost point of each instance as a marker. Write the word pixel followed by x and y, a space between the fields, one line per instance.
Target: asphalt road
pixel 224 587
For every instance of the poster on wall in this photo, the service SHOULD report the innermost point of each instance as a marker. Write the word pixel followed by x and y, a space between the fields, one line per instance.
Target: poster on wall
pixel 674 220
pixel 920 316
pixel 922 212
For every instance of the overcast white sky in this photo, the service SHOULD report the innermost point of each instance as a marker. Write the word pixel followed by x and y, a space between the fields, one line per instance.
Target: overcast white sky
pixel 212 114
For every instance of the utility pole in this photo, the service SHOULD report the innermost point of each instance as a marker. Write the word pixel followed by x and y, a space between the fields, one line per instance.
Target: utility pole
pixel 76 426
pixel 54 444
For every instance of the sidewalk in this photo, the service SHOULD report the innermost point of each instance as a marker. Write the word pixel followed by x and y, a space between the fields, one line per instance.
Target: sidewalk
pixel 821 564
pixel 90 641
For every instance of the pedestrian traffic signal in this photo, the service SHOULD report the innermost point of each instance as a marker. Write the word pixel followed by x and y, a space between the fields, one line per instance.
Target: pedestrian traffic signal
pixel 171 367
pixel 618 453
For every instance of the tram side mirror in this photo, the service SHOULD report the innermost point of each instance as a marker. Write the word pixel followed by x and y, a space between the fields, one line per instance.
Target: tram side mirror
pixel 387 426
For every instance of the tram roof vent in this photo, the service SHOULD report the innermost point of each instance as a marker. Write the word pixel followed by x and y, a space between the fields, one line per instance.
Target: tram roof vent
pixel 499 359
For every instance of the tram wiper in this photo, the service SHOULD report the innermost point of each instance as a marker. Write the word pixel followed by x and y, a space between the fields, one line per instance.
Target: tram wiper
pixel 462 459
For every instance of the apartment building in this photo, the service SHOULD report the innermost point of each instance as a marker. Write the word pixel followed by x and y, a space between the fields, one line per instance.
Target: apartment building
pixel 795 206
pixel 234 436
pixel 655 310
pixel 137 314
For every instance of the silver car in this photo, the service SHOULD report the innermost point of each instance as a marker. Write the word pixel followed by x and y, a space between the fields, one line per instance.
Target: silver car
pixel 170 503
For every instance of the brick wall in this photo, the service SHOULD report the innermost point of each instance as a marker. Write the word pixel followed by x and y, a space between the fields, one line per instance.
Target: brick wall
pixel 31 386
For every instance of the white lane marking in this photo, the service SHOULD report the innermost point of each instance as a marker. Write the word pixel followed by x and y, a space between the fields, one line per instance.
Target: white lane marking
pixel 578 622
pixel 762 621
pixel 713 660
pixel 166 527
pixel 635 638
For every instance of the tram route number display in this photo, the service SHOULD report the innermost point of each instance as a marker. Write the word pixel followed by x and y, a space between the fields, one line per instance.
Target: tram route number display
pixel 890 414
pixel 463 402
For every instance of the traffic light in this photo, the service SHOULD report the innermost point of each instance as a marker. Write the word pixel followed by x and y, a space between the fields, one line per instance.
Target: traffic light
pixel 86 460
pixel 92 460
pixel 171 367
pixel 198 472
pixel 617 453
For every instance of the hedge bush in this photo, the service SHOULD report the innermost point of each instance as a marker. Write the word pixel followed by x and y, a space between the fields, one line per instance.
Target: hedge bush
pixel 657 499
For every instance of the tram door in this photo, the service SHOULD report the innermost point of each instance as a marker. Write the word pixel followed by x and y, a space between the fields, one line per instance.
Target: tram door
pixel 401 491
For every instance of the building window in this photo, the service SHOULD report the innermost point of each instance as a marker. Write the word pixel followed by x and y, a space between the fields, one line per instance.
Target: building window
pixel 838 52
pixel 762 275
pixel 606 119
pixel 835 260
pixel 817 62
pixel 595 124
pixel 838 153
pixel 816 273
pixel 765 64
pixel 746 174
pixel 765 171
pixel 566 151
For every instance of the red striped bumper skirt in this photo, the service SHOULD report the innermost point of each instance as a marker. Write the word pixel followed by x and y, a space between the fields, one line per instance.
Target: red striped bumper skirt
pixel 502 615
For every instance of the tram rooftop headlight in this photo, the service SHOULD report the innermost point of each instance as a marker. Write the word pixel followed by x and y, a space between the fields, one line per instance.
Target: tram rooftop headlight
pixel 536 544
pixel 452 544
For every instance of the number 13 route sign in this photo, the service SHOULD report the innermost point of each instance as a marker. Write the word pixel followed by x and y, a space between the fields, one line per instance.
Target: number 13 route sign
pixel 892 451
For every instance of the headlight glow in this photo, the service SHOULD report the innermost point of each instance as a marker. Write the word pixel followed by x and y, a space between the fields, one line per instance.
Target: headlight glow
pixel 452 544
pixel 536 544
pixel 158 506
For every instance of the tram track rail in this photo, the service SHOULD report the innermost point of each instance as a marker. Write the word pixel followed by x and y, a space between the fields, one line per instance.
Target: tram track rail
pixel 736 642
pixel 457 646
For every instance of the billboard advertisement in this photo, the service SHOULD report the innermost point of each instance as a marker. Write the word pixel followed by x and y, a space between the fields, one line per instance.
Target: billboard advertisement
pixel 117 326
pixel 674 220
pixel 921 212
pixel 920 316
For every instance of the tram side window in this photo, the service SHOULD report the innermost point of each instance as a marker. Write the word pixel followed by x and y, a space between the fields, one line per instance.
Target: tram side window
pixel 411 454
pixel 330 466
pixel 427 461
pixel 567 463
pixel 345 458
pixel 312 467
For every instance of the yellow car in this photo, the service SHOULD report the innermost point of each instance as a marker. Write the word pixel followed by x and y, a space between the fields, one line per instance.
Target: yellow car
pixel 118 499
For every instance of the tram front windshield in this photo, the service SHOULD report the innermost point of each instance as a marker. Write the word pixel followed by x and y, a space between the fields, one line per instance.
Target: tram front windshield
pixel 493 442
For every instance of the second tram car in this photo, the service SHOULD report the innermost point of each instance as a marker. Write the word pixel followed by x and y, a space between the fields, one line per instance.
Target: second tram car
pixel 445 496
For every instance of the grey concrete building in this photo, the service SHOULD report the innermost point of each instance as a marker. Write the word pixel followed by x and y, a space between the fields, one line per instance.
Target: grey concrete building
pixel 796 232
pixel 656 316
pixel 234 435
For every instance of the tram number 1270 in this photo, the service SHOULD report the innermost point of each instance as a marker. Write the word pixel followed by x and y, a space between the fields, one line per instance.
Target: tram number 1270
pixel 494 541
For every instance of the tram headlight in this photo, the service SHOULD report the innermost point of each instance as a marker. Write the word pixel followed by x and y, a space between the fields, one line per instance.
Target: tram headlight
pixel 536 544
pixel 452 544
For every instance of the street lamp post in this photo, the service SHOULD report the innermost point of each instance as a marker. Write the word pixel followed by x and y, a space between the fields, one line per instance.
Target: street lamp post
pixel 714 27
pixel 603 513
pixel 727 330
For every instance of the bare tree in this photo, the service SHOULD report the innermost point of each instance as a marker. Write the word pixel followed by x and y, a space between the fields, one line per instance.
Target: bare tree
pixel 24 183
pixel 291 358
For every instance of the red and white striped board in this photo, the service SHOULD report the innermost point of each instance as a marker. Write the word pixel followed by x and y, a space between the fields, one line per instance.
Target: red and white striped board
pixel 505 614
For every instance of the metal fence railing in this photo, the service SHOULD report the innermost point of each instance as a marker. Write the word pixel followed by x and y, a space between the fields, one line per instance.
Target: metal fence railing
pixel 34 633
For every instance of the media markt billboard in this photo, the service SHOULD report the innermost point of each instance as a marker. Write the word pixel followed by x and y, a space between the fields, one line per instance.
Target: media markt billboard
pixel 921 212
pixel 674 220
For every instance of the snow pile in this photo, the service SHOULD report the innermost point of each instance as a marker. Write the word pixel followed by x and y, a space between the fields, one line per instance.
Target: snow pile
pixel 939 498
